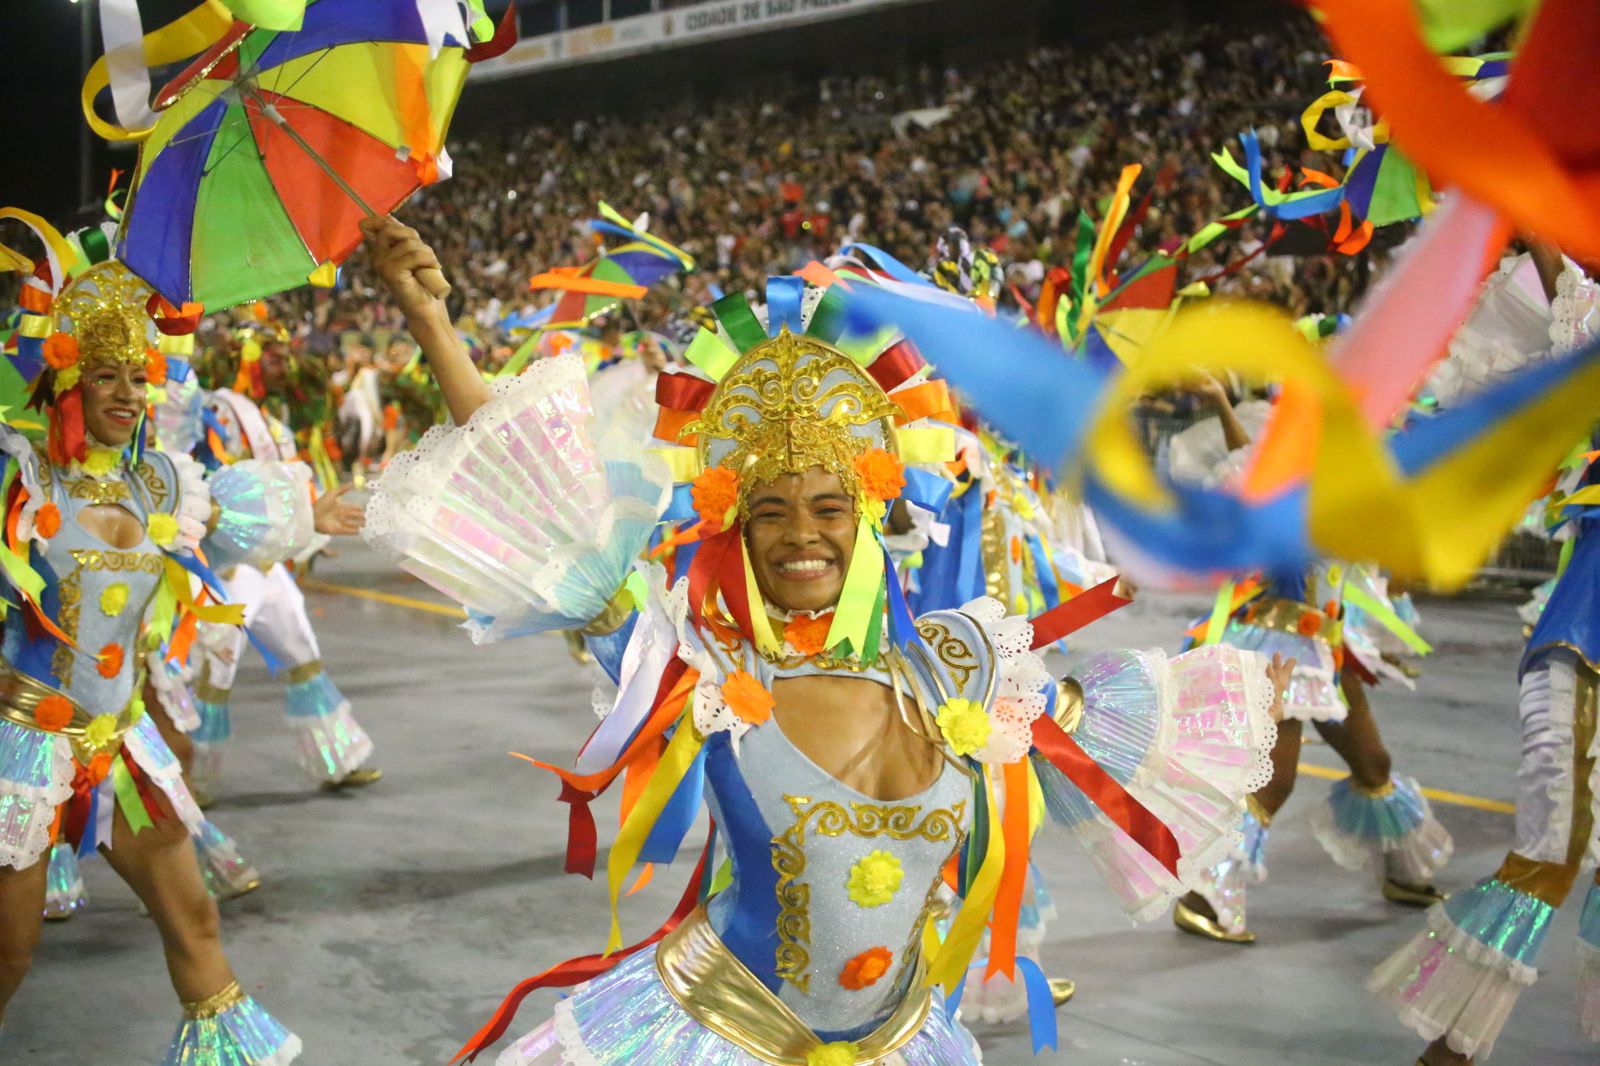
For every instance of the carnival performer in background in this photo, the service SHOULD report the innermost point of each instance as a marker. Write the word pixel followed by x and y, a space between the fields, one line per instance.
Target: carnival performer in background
pixel 332 747
pixel 851 752
pixel 101 560
pixel 1457 981
pixel 1373 818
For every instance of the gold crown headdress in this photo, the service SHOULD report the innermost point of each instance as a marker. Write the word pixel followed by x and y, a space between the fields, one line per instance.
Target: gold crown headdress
pixel 791 403
pixel 781 391
pixel 105 310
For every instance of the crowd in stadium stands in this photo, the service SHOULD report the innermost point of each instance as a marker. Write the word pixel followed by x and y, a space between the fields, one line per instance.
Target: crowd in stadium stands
pixel 760 184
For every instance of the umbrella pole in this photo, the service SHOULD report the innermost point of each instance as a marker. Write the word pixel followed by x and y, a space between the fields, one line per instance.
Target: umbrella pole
pixel 277 119
pixel 431 279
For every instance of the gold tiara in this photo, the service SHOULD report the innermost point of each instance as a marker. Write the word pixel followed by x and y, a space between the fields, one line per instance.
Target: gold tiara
pixel 104 311
pixel 791 403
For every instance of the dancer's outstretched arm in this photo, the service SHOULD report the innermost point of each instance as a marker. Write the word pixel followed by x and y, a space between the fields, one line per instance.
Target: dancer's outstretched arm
pixel 410 270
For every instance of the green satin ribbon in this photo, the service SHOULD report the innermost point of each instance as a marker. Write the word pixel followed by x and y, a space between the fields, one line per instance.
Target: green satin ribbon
pixel 128 798
pixel 1219 613
pixel 863 589
pixel 708 352
pixel 1381 613
pixel 269 14
pixel 743 327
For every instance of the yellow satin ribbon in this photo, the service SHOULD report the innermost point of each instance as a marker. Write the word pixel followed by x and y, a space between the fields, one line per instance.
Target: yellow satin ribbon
pixel 63 256
pixel 683 462
pixel 675 762
pixel 1317 142
pixel 766 641
pixel 178 40
pixel 926 444
pixel 229 614
pixel 1360 507
pixel 949 964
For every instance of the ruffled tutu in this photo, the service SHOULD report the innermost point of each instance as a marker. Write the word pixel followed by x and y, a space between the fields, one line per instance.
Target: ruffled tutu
pixel 1394 831
pixel 265 513
pixel 1313 692
pixel 330 741
pixel 1460 978
pixel 1589 964
pixel 227 873
pixel 1190 738
pixel 36 772
pixel 516 514
pixel 240 1034
pixel 64 893
pixel 627 1017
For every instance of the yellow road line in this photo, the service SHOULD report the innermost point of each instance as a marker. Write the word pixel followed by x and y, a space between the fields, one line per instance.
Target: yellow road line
pixel 313 585
pixel 1438 795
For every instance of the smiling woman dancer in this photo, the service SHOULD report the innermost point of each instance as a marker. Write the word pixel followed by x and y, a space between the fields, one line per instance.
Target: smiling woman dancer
pixel 99 530
pixel 851 752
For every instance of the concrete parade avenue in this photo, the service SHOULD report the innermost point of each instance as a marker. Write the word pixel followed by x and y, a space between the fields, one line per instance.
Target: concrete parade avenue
pixel 392 920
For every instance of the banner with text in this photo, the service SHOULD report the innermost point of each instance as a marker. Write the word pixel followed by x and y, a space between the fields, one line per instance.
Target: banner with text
pixel 686 25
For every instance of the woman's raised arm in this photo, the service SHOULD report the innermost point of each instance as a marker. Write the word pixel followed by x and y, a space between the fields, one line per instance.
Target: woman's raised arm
pixel 412 274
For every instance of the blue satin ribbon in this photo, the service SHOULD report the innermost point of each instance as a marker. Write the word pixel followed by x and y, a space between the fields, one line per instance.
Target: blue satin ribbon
pixel 902 628
pixel 952 1002
pixel 751 927
pixel 678 816
pixel 927 490
pixel 1045 572
pixel 1298 206
pixel 1041 1005
pixel 86 846
pixel 887 263
pixel 1210 531
pixel 1429 440
pixel 681 507
pixel 1043 401
pixel 783 304
pixel 273 665
pixel 193 564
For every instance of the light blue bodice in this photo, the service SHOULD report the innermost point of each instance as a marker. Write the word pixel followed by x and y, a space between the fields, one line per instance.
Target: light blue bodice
pixel 80 570
pixel 795 836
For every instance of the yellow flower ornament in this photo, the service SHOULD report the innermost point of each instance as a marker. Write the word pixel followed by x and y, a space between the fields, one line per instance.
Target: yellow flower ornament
pixel 965 725
pixel 114 599
pixel 874 879
pixel 838 1053
pixel 101 461
pixel 100 731
pixel 163 529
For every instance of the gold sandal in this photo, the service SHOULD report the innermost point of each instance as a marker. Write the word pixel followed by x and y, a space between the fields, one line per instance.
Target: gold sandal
pixel 1194 923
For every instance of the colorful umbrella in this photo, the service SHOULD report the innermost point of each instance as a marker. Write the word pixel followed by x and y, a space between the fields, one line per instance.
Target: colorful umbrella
pixel 273 145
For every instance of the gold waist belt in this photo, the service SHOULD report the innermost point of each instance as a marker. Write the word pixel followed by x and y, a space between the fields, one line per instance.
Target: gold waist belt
pixel 721 994
pixel 20 696
pixel 1292 616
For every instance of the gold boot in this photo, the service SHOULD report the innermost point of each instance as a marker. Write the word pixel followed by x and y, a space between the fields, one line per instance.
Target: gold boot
pixel 1062 989
pixel 1410 895
pixel 1194 923
pixel 361 778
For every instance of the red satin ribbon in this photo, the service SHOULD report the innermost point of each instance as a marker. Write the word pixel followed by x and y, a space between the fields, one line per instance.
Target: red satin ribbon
pixel 1127 813
pixel 893 367
pixel 582 842
pixel 505 35
pixel 171 320
pixel 583 968
pixel 1077 612
pixel 683 392
pixel 579 790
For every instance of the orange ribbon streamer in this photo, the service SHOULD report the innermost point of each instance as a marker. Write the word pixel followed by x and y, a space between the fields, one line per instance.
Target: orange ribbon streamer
pixel 1524 156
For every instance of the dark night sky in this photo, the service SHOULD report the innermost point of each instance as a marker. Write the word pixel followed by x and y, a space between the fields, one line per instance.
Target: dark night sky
pixel 41 122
